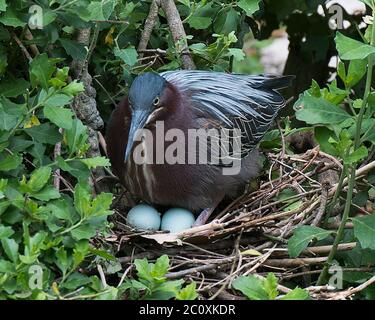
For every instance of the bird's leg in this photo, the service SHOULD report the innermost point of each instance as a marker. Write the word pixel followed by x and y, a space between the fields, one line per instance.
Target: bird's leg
pixel 206 213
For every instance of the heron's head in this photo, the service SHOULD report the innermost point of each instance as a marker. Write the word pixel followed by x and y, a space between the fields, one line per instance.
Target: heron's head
pixel 145 101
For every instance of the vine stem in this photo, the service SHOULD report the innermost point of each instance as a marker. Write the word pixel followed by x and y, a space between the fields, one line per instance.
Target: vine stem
pixel 357 142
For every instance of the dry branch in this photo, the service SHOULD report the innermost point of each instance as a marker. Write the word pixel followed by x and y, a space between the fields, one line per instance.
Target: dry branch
pixel 209 254
pixel 178 32
pixel 85 106
pixel 22 47
pixel 149 26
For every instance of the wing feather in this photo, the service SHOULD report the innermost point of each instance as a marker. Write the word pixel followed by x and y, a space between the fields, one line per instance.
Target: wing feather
pixel 246 102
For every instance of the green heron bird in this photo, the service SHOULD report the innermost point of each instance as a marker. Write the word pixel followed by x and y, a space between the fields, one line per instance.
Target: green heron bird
pixel 187 100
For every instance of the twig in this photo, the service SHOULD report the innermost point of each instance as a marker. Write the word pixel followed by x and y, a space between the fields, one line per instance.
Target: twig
pixel 111 21
pixel 323 204
pixel 316 250
pixel 186 272
pixel 178 32
pixel 102 276
pixel 311 272
pixel 22 47
pixel 29 36
pixel 149 26
pixel 56 178
pixel 124 275
pixel 157 51
pixel 292 263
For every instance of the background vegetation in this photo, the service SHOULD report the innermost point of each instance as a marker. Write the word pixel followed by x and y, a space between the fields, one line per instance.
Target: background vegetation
pixel 60 82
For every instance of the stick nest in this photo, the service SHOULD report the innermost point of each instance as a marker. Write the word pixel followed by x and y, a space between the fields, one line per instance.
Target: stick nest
pixel 250 235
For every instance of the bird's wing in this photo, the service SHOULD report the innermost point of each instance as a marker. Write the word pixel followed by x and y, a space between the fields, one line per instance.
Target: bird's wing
pixel 237 101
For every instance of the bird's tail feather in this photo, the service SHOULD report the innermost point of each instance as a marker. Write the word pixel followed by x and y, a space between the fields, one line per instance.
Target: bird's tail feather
pixel 277 82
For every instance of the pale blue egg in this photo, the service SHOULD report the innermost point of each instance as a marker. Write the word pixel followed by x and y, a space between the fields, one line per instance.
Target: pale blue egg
pixel 176 220
pixel 144 217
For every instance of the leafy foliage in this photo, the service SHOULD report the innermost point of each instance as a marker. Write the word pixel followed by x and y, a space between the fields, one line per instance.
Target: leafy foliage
pixel 255 288
pixel 343 117
pixel 303 236
pixel 52 229
pixel 152 284
pixel 41 226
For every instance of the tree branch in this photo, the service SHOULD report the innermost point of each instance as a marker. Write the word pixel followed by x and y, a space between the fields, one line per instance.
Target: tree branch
pixel 85 104
pixel 149 26
pixel 178 32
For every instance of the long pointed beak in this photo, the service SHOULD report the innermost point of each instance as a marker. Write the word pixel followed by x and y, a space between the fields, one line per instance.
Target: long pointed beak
pixel 139 119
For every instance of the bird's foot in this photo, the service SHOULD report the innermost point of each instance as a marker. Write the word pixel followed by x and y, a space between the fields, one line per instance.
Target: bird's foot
pixel 203 217
pixel 206 213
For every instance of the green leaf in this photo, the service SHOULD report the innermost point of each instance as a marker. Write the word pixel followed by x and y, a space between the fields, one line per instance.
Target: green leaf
pixel 101 205
pixel 199 23
pixel 101 10
pixel 77 136
pixel 357 70
pixel 143 268
pixel 10 18
pixel 61 117
pixel 73 48
pixel 302 236
pixel 103 254
pixel 61 210
pixel 237 54
pixel 161 266
pixel 3 61
pixel 46 194
pixel 226 21
pixel 341 71
pixel 364 231
pixel 44 133
pixel 250 6
pixel 76 280
pixel 84 231
pixel 48 17
pixel 82 199
pixel 251 287
pixel 10 113
pixel 188 293
pixel 6 267
pixel 13 88
pixel 96 162
pixel 128 55
pixel 57 100
pixel 10 162
pixel 166 290
pixel 5 232
pixel 370 133
pixel 314 110
pixel 350 49
pixel 41 70
pixel 3 5
pixel 296 294
pixel 63 262
pixel 356 156
pixel 39 178
pixel 10 247
pixel 73 88
pixel 322 135
pixel 270 286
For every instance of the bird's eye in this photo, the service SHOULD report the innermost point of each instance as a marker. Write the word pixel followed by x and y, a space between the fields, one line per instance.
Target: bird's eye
pixel 156 101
